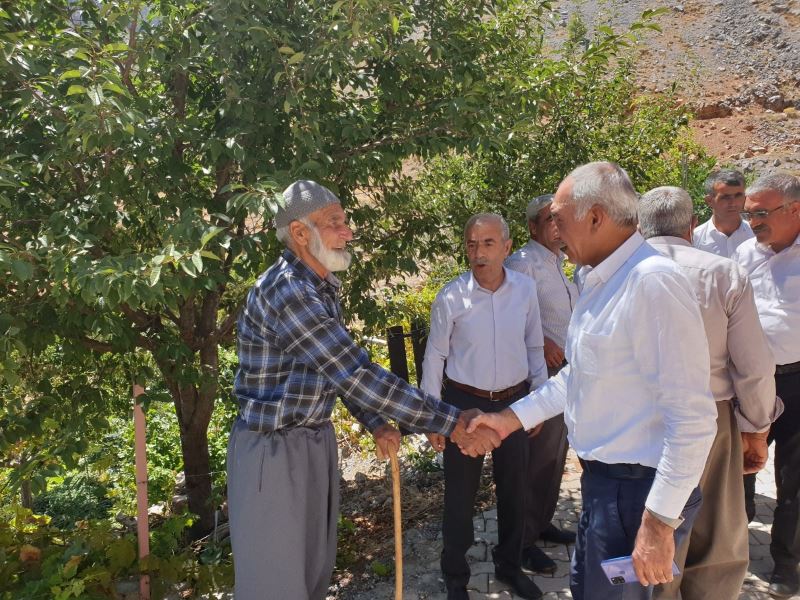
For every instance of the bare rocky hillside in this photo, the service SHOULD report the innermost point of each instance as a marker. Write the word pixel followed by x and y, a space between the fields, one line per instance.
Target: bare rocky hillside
pixel 736 62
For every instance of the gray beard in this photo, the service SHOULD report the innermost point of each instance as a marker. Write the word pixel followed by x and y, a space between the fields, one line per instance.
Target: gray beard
pixel 331 259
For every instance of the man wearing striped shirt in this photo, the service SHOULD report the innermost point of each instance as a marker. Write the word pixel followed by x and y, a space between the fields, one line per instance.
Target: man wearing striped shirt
pixel 543 260
pixel 295 358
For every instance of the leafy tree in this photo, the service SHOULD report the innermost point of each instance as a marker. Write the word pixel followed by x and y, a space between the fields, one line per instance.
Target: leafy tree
pixel 143 143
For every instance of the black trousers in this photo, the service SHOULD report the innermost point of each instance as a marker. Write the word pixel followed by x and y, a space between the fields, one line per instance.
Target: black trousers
pixel 547 454
pixel 461 480
pixel 785 432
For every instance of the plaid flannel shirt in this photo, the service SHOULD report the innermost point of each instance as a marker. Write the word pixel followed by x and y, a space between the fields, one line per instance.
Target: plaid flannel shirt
pixel 295 357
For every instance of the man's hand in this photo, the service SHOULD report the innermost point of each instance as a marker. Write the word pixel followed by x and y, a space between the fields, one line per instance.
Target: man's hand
pixel 553 355
pixel 476 442
pixel 755 452
pixel 653 551
pixel 504 422
pixel 436 440
pixel 387 441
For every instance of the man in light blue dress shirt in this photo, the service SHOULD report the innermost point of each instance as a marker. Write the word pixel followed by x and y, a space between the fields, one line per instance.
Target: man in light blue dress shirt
pixel 635 395
pixel 486 327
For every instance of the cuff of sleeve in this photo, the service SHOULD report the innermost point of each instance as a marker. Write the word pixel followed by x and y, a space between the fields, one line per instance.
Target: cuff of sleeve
pixel 529 412
pixel 667 500
pixel 747 426
pixel 372 421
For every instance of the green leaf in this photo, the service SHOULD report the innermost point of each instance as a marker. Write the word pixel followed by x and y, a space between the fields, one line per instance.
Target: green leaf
pixel 211 233
pixel 296 58
pixel 121 554
pixel 71 74
pixel 197 261
pixel 155 274
pixel 285 50
pixel 75 89
pixel 95 94
pixel 395 24
pixel 23 270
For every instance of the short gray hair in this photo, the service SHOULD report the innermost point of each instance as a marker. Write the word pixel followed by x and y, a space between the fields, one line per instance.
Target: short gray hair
pixel 665 210
pixel 537 204
pixel 784 183
pixel 283 234
pixel 607 185
pixel 488 217
pixel 724 176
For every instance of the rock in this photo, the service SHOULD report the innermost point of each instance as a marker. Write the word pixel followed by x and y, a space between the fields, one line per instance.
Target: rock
pixel 179 503
pixel 679 8
pixel 712 110
pixel 158 510
pixel 775 103
pixel 360 478
pixel 776 162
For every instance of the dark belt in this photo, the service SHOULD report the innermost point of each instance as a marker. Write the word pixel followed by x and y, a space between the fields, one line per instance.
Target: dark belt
pixel 786 369
pixel 617 470
pixel 491 395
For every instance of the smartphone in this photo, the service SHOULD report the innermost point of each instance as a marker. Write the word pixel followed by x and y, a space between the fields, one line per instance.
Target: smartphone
pixel 620 570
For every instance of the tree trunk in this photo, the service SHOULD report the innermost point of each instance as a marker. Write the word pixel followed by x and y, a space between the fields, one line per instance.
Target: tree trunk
pixel 194 405
pixel 26 496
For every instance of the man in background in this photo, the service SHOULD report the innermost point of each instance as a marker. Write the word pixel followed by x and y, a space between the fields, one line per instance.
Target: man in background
pixel 485 326
pixel 714 559
pixel 725 230
pixel 542 259
pixel 772 261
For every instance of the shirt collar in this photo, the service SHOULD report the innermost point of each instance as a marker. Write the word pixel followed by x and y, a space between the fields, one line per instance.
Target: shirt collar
pixel 667 240
pixel 712 228
pixel 307 273
pixel 473 285
pixel 606 269
pixel 543 251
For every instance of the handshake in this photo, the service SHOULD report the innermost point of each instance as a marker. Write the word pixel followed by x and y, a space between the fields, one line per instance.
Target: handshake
pixel 476 433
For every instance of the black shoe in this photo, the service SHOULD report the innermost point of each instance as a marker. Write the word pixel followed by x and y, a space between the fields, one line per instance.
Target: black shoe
pixel 457 593
pixel 554 535
pixel 519 582
pixel 536 560
pixel 784 582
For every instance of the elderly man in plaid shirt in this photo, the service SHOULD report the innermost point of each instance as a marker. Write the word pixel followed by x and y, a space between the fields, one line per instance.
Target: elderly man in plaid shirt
pixel 295 358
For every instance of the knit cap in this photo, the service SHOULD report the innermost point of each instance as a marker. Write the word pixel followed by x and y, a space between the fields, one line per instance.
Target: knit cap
pixel 301 199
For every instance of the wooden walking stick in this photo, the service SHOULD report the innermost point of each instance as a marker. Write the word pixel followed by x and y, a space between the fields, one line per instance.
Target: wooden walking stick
pixel 398 528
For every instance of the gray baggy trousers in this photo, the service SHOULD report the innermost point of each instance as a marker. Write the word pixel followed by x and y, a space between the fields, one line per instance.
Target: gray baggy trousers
pixel 283 501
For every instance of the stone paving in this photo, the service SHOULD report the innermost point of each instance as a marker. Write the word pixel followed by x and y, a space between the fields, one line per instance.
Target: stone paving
pixel 422 578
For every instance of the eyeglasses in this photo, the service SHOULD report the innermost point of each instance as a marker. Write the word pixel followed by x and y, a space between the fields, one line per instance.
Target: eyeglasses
pixel 749 215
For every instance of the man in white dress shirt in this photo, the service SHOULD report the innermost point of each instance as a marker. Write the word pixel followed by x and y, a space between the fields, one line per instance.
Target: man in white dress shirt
pixel 714 559
pixel 725 230
pixel 485 326
pixel 635 397
pixel 772 260
pixel 542 259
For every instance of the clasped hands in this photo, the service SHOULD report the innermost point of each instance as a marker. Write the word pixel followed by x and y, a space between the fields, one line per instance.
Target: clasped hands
pixel 476 432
